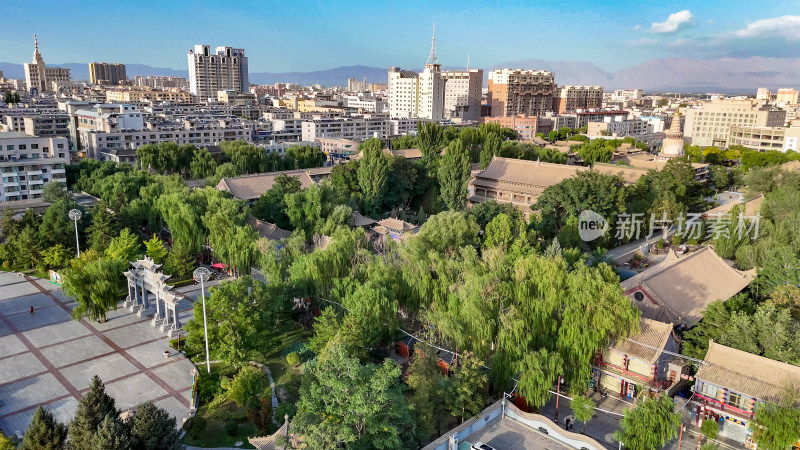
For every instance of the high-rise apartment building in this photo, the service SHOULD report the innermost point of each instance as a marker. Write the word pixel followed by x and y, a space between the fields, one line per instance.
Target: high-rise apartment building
pixel 107 74
pixel 434 94
pixel 514 91
pixel 763 94
pixel 28 162
pixel 787 96
pixel 209 73
pixel 711 123
pixel 573 98
pixel 38 77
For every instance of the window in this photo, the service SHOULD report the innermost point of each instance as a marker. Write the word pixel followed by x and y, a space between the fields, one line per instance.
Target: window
pixel 736 400
pixel 709 390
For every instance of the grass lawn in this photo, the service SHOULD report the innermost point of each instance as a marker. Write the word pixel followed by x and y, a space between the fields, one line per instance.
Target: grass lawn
pixel 216 435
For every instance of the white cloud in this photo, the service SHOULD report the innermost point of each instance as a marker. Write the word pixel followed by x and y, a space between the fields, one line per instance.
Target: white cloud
pixel 675 22
pixel 787 27
pixel 637 27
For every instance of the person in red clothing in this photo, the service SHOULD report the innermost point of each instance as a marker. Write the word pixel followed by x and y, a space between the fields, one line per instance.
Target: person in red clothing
pixel 31 309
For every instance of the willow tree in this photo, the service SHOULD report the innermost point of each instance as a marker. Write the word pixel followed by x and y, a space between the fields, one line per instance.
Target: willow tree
pixel 94 283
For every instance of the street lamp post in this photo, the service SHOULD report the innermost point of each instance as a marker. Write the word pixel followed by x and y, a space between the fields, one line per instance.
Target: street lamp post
pixel 75 215
pixel 202 274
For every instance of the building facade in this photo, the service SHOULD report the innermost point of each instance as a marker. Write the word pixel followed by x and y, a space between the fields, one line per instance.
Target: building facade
pixel 763 94
pixel 160 82
pixel 225 68
pixel 711 123
pixel 40 78
pixel 137 95
pixel 28 162
pixel 462 94
pixel 357 129
pixel 766 138
pixel 573 98
pixel 787 96
pixel 107 74
pixel 526 127
pixel 514 91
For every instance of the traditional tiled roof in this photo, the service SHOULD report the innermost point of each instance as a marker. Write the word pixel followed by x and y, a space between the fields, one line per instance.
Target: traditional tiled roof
pixel 678 289
pixel 653 334
pixel 746 373
pixel 751 207
pixel 267 230
pixel 250 187
pixel 361 221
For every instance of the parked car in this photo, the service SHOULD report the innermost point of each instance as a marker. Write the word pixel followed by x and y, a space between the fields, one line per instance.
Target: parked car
pixel 481 446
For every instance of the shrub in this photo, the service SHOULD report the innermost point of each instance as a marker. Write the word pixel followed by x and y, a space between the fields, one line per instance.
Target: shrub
pixel 284 409
pixel 231 428
pixel 195 426
pixel 293 359
pixel 661 244
pixel 676 239
pixel 6 264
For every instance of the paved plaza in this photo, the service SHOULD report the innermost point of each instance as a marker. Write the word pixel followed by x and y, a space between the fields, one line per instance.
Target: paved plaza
pixel 48 359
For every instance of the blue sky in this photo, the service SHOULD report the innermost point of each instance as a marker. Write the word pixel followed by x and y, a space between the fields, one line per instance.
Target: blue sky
pixel 301 35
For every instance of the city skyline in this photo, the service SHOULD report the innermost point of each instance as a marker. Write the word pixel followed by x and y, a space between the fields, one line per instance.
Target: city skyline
pixel 630 33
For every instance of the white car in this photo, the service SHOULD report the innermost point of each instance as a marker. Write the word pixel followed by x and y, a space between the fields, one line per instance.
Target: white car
pixel 481 446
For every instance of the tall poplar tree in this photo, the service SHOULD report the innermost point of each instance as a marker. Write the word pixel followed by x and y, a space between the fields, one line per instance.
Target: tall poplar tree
pixel 372 174
pixel 454 175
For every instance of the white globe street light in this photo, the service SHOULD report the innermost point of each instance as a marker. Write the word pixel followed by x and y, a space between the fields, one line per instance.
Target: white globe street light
pixel 75 215
pixel 202 274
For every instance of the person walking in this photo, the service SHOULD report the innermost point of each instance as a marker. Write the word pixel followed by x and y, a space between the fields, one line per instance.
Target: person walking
pixel 31 309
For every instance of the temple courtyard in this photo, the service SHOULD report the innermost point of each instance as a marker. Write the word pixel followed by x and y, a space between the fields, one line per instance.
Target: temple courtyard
pixel 48 359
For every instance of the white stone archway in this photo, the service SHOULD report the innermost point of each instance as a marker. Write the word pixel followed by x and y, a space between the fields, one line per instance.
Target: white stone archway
pixel 147 285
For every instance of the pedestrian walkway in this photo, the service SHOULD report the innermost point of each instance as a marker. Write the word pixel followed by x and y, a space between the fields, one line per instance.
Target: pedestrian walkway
pixel 48 359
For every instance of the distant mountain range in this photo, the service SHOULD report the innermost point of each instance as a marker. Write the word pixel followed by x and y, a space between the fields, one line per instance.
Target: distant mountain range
pixel 732 75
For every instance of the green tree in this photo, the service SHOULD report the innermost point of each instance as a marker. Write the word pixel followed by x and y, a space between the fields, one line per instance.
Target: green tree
pixel 54 191
pixel 710 429
pixel 124 248
pixel 326 326
pixel 7 444
pixel 9 227
pixel 94 283
pixel 466 391
pixel 500 231
pixel 582 408
pixel 426 379
pixel 152 428
pixel 55 256
pixel 650 424
pixel 244 313
pixel 430 137
pixel 156 249
pixel 111 434
pixel 454 175
pixel 57 227
pixel 203 164
pixel 372 175
pixel 247 388
pixel 271 206
pixel 346 404
pixel 102 230
pixel 44 432
pixel 93 408
pixel 180 261
pixel 776 424
pixel 28 247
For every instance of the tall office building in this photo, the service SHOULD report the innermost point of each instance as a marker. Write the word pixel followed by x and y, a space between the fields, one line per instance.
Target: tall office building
pixel 225 69
pixel 107 74
pixel 515 91
pixel 434 94
pixel 38 77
